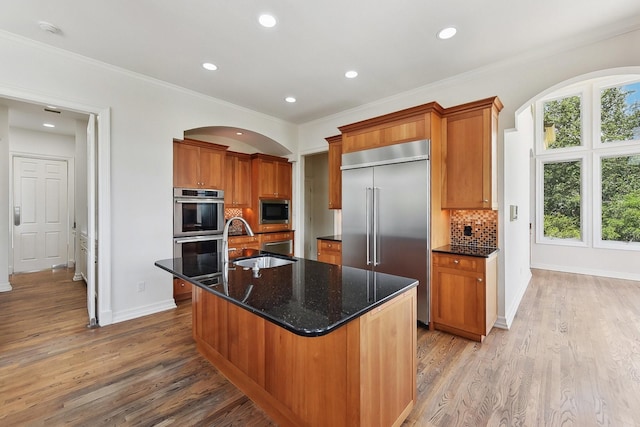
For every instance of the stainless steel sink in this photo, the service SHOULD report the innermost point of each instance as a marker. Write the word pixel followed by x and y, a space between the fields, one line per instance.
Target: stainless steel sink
pixel 264 261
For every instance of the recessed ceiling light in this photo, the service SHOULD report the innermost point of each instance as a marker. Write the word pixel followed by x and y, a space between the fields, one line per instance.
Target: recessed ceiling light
pixel 447 33
pixel 351 74
pixel 290 99
pixel 267 20
pixel 52 107
pixel 238 133
pixel 209 66
pixel 48 125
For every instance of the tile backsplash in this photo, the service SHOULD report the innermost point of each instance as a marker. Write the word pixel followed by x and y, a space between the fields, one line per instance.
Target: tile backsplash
pixel 236 227
pixel 484 228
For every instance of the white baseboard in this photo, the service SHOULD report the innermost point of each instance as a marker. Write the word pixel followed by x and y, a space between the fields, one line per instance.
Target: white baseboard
pixel 504 322
pixel 5 287
pixel 142 311
pixel 587 271
pixel 105 318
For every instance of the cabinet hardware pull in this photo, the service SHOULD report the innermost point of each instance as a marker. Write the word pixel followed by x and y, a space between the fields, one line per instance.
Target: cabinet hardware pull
pixel 455 261
pixel 485 201
pixel 480 279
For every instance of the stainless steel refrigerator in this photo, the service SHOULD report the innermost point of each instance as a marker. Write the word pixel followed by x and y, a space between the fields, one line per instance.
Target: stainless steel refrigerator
pixel 385 213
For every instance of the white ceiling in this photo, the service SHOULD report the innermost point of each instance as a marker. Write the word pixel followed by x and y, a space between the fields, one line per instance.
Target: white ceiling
pixel 392 44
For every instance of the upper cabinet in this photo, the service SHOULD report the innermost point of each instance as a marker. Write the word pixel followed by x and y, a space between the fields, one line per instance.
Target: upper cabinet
pixel 335 173
pixel 469 175
pixel 407 125
pixel 198 164
pixel 271 177
pixel 237 188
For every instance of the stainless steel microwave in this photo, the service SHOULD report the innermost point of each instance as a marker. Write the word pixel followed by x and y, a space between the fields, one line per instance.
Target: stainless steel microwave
pixel 274 211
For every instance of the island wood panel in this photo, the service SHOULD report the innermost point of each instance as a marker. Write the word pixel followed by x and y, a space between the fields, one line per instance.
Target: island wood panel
pixel 246 338
pixel 386 400
pixel 319 381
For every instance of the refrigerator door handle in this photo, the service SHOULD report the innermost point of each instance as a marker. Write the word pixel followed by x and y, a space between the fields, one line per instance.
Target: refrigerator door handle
pixel 367 209
pixel 376 220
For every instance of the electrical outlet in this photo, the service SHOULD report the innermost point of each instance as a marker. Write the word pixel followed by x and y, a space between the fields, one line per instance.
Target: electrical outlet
pixel 141 286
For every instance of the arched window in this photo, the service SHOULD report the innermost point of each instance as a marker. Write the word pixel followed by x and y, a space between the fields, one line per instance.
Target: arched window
pixel 588 164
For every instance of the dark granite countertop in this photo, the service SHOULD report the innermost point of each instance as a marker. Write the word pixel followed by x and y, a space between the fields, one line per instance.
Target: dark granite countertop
pixel 335 238
pixel 477 251
pixel 308 298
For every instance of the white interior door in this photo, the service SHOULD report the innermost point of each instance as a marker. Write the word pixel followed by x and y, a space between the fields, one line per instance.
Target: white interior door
pixel 40 214
pixel 92 296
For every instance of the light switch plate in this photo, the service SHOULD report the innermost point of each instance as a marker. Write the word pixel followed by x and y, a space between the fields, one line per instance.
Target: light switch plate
pixel 513 212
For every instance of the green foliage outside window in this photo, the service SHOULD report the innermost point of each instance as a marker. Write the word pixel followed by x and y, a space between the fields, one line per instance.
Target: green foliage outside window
pixel 621 198
pixel 562 121
pixel 562 200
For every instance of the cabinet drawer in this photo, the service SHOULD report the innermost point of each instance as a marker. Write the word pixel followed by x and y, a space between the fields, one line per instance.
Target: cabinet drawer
pixel 330 246
pixel 243 240
pixel 459 262
pixel 181 289
pixel 276 237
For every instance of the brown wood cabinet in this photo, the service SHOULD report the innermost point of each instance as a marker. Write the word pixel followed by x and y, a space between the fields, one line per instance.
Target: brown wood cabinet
pixel 242 245
pixel 469 155
pixel 411 124
pixel 237 188
pixel 271 177
pixel 464 294
pixel 181 289
pixel 198 164
pixel 335 173
pixel 361 374
pixel 330 251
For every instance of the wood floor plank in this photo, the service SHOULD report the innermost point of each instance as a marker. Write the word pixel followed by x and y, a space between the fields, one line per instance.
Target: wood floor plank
pixel 571 358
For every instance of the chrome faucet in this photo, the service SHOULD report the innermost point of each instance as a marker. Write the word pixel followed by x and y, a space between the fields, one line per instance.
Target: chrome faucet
pixel 225 236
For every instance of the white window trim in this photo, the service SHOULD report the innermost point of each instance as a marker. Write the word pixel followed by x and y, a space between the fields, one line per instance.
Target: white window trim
pixel 584 119
pixel 585 199
pixel 590 154
pixel 597 115
pixel 597 197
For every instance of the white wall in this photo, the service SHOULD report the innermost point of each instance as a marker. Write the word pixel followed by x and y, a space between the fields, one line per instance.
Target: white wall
pixel 145 117
pixel 4 195
pixel 516 82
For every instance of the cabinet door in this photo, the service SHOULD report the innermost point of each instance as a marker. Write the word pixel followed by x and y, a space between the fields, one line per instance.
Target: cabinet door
pixel 211 168
pixel 268 177
pixel 335 174
pixel 330 252
pixel 242 182
pixel 186 165
pixel 468 156
pixel 283 180
pixel 459 300
pixel 237 190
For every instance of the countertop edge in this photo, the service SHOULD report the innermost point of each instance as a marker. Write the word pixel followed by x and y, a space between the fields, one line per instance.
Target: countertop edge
pixel 486 252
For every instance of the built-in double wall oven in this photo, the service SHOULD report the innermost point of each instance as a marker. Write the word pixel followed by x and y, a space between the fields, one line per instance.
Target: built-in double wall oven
pixel 198 221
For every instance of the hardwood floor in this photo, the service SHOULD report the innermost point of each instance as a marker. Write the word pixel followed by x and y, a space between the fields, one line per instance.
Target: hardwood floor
pixel 571 358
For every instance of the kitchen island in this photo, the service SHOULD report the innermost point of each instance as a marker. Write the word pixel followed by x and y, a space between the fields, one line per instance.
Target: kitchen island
pixel 310 343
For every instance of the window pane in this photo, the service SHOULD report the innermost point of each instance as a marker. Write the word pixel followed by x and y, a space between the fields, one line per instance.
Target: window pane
pixel 562 123
pixel 621 198
pixel 562 200
pixel 620 113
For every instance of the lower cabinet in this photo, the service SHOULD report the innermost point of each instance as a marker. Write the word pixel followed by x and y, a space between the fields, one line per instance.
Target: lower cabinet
pixel 464 294
pixel 181 289
pixel 242 245
pixel 330 251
